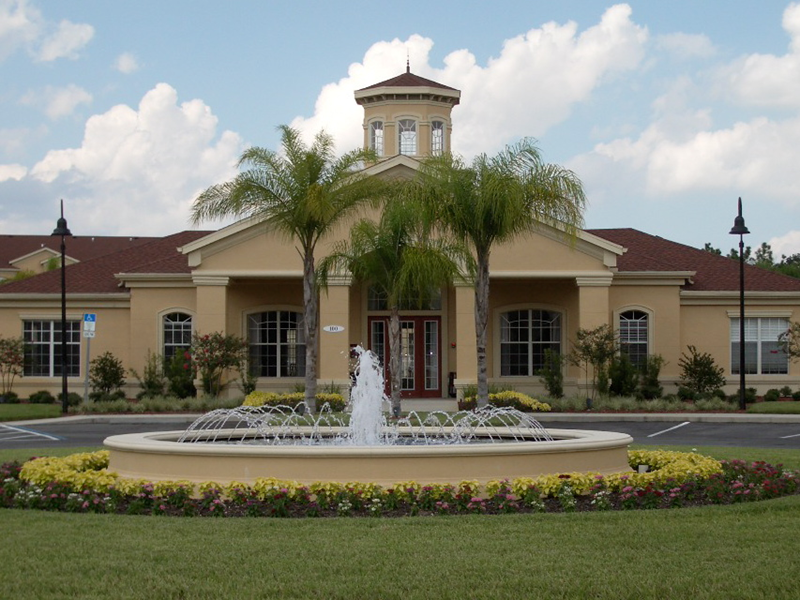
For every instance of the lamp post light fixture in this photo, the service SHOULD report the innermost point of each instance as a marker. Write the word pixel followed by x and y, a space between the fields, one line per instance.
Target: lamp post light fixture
pixel 63 231
pixel 741 230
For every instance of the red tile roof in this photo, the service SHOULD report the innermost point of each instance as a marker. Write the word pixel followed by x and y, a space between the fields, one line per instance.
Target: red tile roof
pixel 96 275
pixel 713 273
pixel 80 248
pixel 160 255
pixel 408 79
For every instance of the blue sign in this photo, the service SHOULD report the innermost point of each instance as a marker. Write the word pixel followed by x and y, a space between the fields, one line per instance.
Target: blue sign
pixel 89 317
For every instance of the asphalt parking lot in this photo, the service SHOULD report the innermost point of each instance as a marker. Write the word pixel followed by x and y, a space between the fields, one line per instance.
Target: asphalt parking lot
pixel 691 430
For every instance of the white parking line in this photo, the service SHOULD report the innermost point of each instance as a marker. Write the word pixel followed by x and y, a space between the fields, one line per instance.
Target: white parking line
pixel 8 432
pixel 670 429
pixel 786 437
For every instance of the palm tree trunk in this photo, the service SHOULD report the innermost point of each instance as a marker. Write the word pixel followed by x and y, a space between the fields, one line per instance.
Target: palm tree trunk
pixel 481 323
pixel 395 351
pixel 311 328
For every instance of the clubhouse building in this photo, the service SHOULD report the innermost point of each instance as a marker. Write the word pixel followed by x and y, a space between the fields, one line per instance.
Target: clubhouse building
pixel 151 293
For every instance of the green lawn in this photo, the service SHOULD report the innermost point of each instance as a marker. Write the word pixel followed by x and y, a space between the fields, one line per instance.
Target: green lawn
pixel 740 551
pixel 23 412
pixel 775 408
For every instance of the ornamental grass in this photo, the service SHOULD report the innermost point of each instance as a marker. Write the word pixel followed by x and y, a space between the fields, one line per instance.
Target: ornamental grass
pixel 83 483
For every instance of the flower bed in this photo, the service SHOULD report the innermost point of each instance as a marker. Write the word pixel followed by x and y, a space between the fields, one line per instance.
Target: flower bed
pixel 335 402
pixel 82 483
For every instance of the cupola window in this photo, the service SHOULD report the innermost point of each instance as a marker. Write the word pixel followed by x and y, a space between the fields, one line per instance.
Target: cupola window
pixel 407 129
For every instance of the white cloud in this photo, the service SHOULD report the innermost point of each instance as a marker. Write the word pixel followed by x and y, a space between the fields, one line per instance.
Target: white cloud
pixel 15 172
pixel 765 79
pixel 19 26
pixel 67 40
pixel 138 171
pixel 126 63
pixel 685 45
pixel 58 102
pixel 530 87
pixel 786 244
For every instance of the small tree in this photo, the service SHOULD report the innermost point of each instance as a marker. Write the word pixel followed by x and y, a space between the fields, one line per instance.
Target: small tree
pixel 790 341
pixel 214 353
pixel 700 373
pixel 152 381
pixel 552 373
pixel 106 376
pixel 592 350
pixel 12 356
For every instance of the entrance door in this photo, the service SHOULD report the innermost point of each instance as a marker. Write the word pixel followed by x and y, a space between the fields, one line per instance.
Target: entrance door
pixel 420 361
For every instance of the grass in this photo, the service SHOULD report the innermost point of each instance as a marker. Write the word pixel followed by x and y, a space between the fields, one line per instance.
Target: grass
pixel 775 408
pixel 23 412
pixel 739 551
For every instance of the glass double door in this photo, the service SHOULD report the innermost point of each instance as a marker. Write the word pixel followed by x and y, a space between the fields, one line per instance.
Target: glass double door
pixel 420 356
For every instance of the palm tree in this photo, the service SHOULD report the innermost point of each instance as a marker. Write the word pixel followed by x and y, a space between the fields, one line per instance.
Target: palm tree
pixel 493 201
pixel 303 193
pixel 399 258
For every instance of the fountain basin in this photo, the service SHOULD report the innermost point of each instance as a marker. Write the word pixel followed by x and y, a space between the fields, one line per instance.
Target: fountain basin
pixel 157 456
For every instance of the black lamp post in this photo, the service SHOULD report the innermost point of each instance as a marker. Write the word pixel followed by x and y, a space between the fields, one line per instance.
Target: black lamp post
pixel 741 230
pixel 63 231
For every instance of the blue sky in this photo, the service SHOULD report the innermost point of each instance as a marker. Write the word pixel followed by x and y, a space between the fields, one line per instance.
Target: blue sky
pixel 667 111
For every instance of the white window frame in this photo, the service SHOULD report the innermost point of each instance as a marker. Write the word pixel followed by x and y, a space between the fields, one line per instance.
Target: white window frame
pixel 376 140
pixel 761 335
pixel 52 345
pixel 165 343
pixel 531 343
pixel 407 139
pixel 648 330
pixel 438 128
pixel 293 351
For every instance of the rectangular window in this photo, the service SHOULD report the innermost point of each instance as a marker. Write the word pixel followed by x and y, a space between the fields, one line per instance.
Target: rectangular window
pixel 524 337
pixel 437 138
pixel 277 344
pixel 376 137
pixel 43 348
pixel 407 130
pixel 762 350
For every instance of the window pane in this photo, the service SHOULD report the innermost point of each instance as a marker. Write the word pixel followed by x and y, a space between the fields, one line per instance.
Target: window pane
pixel 277 344
pixel 43 348
pixel 407 131
pixel 524 337
pixel 376 137
pixel 437 137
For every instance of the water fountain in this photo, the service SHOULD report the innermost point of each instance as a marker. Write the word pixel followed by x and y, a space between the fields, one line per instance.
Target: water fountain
pixel 246 443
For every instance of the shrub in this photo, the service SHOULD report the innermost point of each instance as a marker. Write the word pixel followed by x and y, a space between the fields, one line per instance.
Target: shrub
pixel 772 395
pixel 42 397
pixel 786 391
pixel 700 373
pixel 591 351
pixel 650 388
pixel 552 373
pixel 73 399
pixel 623 376
pixel 510 398
pixel 106 376
pixel 10 398
pixel 336 402
pixel 153 381
pixel 796 396
pixel 180 375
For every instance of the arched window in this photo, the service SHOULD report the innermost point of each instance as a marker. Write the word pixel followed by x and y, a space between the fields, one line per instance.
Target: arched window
pixel 376 137
pixel 277 344
pixel 177 331
pixel 633 336
pixel 524 337
pixel 407 131
pixel 437 137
